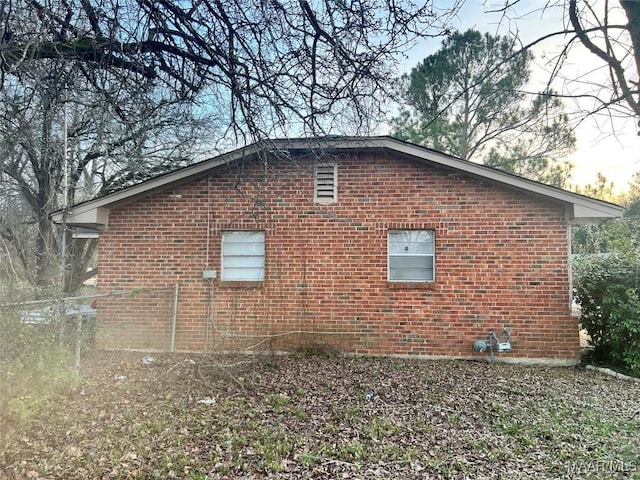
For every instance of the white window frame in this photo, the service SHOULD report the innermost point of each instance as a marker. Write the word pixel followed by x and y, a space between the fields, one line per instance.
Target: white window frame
pixel 234 254
pixel 323 172
pixel 391 255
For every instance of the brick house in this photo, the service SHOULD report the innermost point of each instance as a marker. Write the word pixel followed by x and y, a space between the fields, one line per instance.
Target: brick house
pixel 369 245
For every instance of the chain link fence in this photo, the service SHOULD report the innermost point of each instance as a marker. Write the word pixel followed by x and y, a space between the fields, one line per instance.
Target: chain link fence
pixel 138 319
pixel 47 345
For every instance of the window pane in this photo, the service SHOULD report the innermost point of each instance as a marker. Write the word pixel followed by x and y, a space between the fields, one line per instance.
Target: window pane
pixel 244 236
pixel 244 274
pixel 406 261
pixel 410 275
pixel 243 248
pixel 231 261
pixel 414 269
pixel 243 256
pixel 411 255
pixel 239 243
pixel 410 242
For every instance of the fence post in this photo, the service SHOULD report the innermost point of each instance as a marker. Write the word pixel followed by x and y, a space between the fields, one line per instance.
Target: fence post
pixel 78 342
pixel 173 318
pixel 59 317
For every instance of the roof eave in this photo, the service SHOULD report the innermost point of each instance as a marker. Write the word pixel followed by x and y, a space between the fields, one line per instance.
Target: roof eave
pixel 94 213
pixel 581 210
pixel 583 214
pixel 92 218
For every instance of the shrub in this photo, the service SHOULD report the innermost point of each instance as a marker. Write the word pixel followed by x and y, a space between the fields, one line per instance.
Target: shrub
pixel 607 288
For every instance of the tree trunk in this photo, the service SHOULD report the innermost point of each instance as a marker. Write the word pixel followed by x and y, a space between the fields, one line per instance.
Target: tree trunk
pixel 632 10
pixel 44 247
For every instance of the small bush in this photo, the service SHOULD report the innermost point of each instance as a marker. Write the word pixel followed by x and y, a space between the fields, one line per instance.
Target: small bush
pixel 608 290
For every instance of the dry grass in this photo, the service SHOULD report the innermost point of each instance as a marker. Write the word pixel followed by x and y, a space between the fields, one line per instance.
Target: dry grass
pixel 328 417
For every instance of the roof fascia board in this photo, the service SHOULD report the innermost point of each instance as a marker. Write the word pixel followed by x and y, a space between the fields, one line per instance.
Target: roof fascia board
pixel 502 177
pixel 94 218
pixel 144 188
pixel 584 208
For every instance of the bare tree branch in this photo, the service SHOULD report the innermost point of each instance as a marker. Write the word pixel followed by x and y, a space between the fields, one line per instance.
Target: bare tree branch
pixel 607 56
pixel 280 61
pixel 616 45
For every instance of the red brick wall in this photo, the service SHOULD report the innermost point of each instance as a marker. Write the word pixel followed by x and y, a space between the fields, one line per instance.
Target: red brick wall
pixel 501 260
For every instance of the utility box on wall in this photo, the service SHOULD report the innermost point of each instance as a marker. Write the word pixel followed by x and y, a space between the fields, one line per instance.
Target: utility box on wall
pixel 209 274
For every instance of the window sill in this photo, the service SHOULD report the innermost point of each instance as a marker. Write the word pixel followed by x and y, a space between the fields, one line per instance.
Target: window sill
pixel 240 284
pixel 411 285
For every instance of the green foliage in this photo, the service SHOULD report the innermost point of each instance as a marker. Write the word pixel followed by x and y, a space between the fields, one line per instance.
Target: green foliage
pixel 608 291
pixel 34 368
pixel 522 160
pixel 619 235
pixel 607 280
pixel 468 99
pixel 467 73
pixel 611 236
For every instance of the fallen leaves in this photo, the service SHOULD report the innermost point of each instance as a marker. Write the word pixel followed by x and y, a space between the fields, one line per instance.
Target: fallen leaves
pixel 214 417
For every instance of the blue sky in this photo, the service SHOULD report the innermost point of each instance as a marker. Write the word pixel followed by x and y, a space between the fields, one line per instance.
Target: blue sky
pixel 609 146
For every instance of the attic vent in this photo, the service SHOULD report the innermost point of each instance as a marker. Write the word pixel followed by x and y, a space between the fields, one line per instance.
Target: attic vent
pixel 326 183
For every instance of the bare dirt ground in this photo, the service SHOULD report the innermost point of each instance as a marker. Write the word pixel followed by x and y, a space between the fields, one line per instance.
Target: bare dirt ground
pixel 218 417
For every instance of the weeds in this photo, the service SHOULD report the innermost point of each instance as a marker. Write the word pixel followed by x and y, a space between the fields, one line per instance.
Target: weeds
pixel 34 370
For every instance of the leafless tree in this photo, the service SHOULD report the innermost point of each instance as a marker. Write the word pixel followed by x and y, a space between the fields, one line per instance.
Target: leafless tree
pixel 275 65
pixel 62 142
pixel 608 29
pixel 618 46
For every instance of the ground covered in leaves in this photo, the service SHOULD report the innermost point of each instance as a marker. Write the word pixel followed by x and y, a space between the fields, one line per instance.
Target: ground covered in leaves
pixel 296 417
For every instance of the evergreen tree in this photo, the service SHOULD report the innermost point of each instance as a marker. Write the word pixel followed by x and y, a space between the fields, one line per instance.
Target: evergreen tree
pixel 468 100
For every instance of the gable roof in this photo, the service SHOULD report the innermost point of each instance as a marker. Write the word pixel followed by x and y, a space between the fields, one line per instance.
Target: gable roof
pixel 580 209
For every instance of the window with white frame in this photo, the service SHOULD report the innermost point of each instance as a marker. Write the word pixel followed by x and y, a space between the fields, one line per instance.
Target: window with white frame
pixel 411 255
pixel 243 256
pixel 325 183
